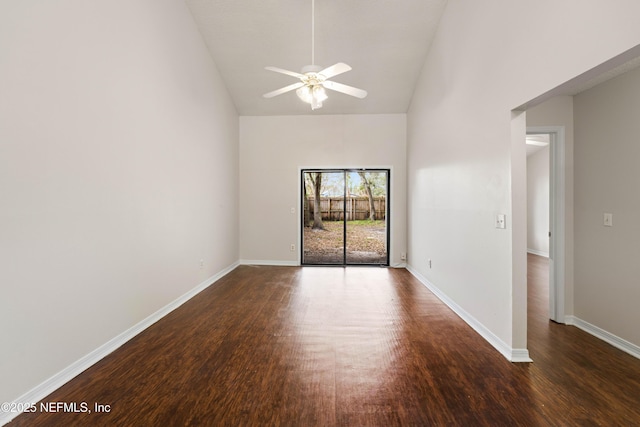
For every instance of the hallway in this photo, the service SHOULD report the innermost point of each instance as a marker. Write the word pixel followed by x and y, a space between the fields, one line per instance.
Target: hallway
pixel 594 377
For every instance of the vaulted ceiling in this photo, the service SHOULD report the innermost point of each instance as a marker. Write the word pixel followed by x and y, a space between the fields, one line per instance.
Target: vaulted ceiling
pixel 384 41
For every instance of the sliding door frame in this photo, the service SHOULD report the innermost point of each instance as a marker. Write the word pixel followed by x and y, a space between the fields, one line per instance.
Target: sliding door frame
pixel 344 171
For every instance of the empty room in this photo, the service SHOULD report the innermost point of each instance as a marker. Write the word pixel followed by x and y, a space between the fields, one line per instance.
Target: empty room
pixel 319 212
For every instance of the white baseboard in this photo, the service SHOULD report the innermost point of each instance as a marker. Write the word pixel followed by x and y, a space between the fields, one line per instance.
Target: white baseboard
pixel 512 354
pixel 67 374
pixel 295 263
pixel 605 336
pixel 269 262
pixel 537 252
pixel 401 264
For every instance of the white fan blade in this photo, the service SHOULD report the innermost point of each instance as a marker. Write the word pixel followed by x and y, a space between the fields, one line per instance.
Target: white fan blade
pixel 287 72
pixel 283 90
pixel 349 90
pixel 334 70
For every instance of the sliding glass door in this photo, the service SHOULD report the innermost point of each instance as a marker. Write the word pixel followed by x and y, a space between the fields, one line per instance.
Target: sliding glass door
pixel 345 217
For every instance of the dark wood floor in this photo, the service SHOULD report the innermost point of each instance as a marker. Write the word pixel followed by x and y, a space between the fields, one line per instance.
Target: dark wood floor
pixel 320 346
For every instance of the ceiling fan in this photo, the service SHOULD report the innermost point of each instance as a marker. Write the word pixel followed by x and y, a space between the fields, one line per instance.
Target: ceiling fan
pixel 314 79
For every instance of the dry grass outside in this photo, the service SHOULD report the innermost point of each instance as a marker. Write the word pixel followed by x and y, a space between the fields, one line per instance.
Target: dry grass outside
pixel 366 242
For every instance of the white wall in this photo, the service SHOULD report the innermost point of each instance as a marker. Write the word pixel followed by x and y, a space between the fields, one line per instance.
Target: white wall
pixel 118 173
pixel 274 149
pixel 459 131
pixel 538 202
pixel 607 153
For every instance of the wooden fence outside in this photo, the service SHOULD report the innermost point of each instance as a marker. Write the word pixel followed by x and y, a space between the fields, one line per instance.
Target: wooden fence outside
pixel 333 208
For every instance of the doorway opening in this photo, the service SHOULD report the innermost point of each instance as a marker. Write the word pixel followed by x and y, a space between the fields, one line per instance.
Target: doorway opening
pixel 345 217
pixel 553 136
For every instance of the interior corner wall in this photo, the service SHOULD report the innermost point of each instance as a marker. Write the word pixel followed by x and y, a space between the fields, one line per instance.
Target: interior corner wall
pixel 607 290
pixel 273 150
pixel 118 174
pixel 487 59
pixel 538 202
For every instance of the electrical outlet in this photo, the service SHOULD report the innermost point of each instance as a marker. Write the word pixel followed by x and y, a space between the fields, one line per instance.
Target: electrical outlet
pixel 403 257
pixel 201 263
pixel 501 221
pixel 292 248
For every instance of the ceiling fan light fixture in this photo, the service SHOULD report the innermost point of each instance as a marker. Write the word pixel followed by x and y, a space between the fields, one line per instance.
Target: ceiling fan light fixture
pixel 304 93
pixel 312 94
pixel 319 93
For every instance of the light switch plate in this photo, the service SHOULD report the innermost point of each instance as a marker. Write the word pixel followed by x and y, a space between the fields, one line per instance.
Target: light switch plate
pixel 608 220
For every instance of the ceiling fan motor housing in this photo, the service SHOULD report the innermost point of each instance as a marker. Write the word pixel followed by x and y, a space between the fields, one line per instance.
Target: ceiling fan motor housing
pixel 311 69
